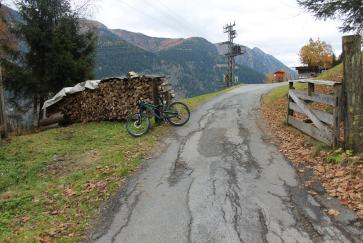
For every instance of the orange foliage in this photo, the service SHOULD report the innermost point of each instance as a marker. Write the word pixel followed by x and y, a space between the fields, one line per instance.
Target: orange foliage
pixel 317 53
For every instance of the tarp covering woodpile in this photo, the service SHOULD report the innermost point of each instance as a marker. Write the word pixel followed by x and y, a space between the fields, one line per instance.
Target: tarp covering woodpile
pixel 109 99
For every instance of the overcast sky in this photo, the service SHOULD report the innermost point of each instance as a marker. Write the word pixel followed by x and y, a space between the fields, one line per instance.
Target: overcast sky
pixel 278 27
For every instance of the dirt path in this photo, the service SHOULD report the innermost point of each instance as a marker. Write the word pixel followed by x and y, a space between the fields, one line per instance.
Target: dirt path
pixel 220 180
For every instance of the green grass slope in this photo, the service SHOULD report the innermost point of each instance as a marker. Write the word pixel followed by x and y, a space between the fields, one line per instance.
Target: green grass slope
pixel 335 74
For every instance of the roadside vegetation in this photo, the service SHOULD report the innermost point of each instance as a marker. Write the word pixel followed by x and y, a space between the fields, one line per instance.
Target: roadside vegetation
pixel 335 74
pixel 339 171
pixel 53 182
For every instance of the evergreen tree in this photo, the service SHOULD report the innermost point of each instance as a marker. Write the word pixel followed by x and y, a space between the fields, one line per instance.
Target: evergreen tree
pixel 334 63
pixel 59 53
pixel 337 60
pixel 350 11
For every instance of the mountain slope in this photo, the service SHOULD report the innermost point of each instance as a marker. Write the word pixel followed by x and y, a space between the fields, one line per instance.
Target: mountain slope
pixel 148 43
pixel 258 60
pixel 204 67
pixel 115 56
pixel 116 59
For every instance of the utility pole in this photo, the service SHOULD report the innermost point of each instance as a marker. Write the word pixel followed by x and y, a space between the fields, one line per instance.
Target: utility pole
pixel 233 51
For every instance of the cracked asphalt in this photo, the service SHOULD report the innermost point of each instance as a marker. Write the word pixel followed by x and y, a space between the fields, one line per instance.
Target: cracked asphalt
pixel 219 179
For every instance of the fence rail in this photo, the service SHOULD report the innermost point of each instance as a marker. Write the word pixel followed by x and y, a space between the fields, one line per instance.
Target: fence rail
pixel 323 126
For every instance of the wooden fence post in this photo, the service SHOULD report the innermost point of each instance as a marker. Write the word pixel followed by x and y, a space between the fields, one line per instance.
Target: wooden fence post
pixel 353 93
pixel 337 115
pixel 311 88
pixel 290 112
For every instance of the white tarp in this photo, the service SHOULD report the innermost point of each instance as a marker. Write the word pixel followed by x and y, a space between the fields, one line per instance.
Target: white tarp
pixel 90 84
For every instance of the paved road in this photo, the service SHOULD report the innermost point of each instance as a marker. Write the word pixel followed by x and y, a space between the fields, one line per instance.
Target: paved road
pixel 219 180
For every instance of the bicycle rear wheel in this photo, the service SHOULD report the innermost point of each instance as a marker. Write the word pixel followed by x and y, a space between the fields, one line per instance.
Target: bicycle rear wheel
pixel 177 113
pixel 138 124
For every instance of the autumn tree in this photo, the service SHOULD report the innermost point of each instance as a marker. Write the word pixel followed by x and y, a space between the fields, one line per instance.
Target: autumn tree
pixel 350 11
pixel 317 53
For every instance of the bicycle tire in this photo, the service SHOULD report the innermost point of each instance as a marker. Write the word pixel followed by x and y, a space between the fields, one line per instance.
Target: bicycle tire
pixel 182 110
pixel 132 121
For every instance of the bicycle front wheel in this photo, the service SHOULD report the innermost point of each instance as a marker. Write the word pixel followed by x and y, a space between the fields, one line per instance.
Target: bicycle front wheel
pixel 177 113
pixel 138 124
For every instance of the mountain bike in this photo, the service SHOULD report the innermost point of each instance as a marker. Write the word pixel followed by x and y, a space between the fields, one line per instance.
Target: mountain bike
pixel 138 124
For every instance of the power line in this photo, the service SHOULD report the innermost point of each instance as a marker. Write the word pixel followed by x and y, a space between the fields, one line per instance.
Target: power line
pixel 166 24
pixel 177 16
pixel 166 13
pixel 173 25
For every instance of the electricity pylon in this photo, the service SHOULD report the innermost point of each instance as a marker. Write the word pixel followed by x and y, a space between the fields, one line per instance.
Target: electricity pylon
pixel 233 51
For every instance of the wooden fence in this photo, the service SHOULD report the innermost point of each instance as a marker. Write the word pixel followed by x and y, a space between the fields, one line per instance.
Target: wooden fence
pixel 321 125
pixel 347 103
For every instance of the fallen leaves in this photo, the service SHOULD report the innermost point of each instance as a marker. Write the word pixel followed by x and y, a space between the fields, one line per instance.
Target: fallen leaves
pixel 69 192
pixel 98 186
pixel 6 195
pixel 55 212
pixel 25 219
pixel 333 212
pixel 340 180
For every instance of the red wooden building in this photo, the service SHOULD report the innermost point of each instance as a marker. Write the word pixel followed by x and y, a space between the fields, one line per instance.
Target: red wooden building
pixel 279 76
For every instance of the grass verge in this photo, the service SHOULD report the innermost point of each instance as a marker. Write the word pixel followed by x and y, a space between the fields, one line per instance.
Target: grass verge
pixel 280 92
pixel 52 183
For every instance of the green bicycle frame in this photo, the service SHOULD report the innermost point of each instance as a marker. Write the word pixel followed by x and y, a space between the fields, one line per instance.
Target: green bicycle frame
pixel 157 112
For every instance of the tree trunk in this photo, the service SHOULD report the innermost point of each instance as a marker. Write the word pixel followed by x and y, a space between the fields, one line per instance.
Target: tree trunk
pixel 3 119
pixel 36 110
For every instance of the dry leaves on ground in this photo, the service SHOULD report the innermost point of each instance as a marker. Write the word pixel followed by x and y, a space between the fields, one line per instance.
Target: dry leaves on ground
pixel 344 181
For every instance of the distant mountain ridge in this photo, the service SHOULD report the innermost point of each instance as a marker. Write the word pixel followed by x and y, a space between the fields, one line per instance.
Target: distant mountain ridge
pixel 254 58
pixel 153 44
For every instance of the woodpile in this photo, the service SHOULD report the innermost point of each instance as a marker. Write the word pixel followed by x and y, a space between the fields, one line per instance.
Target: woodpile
pixel 114 99
pixel 54 118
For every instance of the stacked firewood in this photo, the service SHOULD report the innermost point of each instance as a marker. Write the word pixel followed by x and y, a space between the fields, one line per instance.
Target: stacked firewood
pixel 114 99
